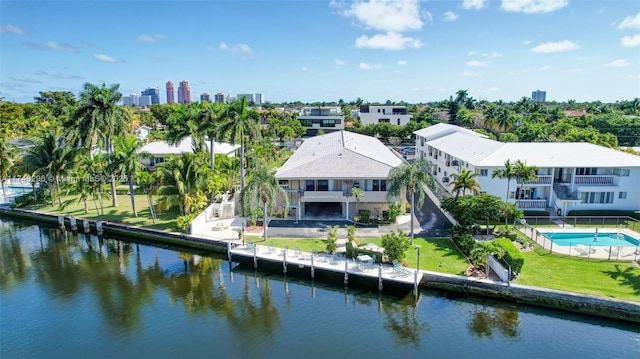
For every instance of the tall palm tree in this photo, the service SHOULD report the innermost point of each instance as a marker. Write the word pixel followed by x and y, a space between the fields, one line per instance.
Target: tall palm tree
pixel 507 172
pixel 6 162
pixel 412 178
pixel 49 159
pixel 263 187
pixel 238 122
pixel 465 180
pixel 182 182
pixel 98 119
pixel 524 173
pixel 146 181
pixel 127 157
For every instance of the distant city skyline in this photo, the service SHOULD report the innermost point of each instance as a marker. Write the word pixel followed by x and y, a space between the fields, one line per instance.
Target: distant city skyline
pixel 324 51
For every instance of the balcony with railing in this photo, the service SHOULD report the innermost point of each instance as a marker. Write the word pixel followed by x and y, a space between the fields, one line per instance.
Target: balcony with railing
pixel 541 180
pixel 531 203
pixel 594 180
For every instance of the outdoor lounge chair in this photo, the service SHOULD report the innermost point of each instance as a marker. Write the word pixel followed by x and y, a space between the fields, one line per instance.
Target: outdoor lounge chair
pixel 399 270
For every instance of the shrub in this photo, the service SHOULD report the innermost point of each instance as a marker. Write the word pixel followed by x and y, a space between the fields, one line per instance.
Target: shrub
pixel 365 215
pixel 183 222
pixel 512 255
pixel 395 244
pixel 332 239
pixel 395 210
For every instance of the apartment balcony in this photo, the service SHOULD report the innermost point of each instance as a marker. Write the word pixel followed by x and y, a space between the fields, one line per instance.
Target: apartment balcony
pixel 594 180
pixel 340 196
pixel 531 203
pixel 541 180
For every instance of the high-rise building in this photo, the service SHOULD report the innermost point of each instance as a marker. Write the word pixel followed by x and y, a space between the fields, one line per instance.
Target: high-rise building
pixel 145 101
pixel 131 100
pixel 206 97
pixel 538 95
pixel 248 96
pixel 258 98
pixel 184 92
pixel 154 93
pixel 220 97
pixel 170 98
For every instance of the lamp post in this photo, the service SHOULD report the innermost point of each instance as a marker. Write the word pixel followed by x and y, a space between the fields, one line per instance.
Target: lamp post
pixel 418 249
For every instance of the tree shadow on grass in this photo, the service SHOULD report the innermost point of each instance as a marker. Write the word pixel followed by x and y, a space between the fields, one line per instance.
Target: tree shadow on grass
pixel 626 277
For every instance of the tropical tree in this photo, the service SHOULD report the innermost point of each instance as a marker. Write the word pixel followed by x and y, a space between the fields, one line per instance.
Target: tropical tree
pixel 127 157
pixel 414 179
pixel 238 122
pixel 357 193
pixel 465 180
pixel 182 182
pixel 146 181
pixel 524 173
pixel 98 119
pixel 508 173
pixel 263 187
pixel 6 162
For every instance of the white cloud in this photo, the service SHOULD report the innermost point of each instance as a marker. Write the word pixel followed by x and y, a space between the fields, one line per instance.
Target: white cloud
pixel 388 41
pixel 476 63
pixel 473 4
pixel 415 89
pixel 11 29
pixel 105 58
pixel 51 45
pixel 618 63
pixel 306 69
pixel 450 16
pixel 402 62
pixel 237 48
pixel 630 41
pixel 366 66
pixel 470 74
pixel 471 53
pixel 545 68
pixel 339 62
pixel 492 54
pixel 386 15
pixel 533 6
pixel 560 46
pixel 150 38
pixel 630 22
pixel 526 42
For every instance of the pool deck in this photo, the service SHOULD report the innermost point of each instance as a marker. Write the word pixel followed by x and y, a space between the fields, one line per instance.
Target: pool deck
pixel 623 253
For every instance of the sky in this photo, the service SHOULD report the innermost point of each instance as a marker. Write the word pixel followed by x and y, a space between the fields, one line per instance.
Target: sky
pixel 315 51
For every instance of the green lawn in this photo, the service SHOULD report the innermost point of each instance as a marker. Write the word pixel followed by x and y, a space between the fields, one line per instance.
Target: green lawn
pixel 122 214
pixel 612 279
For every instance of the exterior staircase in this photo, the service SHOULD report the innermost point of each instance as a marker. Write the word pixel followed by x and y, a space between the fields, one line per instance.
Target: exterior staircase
pixel 562 192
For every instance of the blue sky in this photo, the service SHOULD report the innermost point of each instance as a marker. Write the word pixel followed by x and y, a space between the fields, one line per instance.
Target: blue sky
pixel 415 51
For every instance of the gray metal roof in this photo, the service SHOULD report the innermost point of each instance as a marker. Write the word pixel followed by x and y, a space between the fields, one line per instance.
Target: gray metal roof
pixel 340 154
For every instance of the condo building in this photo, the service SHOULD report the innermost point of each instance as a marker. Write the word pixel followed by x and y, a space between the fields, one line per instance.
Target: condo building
pixel 170 92
pixel 184 93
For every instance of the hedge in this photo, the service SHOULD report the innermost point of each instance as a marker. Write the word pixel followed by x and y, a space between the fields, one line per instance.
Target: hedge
pixel 512 255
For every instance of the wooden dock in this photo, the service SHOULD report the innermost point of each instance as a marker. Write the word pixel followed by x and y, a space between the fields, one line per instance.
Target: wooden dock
pixel 290 258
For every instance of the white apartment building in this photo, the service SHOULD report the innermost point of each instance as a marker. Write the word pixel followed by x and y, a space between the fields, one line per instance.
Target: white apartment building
pixel 394 114
pixel 571 176
pixel 328 118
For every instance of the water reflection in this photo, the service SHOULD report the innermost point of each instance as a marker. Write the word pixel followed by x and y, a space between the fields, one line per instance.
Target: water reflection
pixel 484 321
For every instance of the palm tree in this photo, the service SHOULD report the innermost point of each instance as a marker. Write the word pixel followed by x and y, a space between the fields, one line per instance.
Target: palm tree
pixel 412 178
pixel 182 182
pixel 127 157
pixel 49 159
pixel 465 180
pixel 99 118
pixel 507 172
pixel 6 162
pixel 237 123
pixel 524 173
pixel 146 181
pixel 357 193
pixel 263 187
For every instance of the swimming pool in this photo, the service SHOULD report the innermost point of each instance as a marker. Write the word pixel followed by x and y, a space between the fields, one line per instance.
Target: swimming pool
pixel 587 238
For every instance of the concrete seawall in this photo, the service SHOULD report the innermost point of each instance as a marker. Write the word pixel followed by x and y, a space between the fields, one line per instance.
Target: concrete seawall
pixel 573 302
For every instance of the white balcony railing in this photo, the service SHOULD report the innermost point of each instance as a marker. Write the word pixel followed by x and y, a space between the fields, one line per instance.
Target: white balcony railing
pixel 594 180
pixel 542 180
pixel 531 203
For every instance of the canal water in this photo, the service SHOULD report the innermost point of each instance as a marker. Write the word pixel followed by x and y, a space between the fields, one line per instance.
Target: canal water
pixel 79 296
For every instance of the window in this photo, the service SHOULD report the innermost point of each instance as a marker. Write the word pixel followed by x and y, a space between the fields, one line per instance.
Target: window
pixel 483 172
pixel 383 120
pixel 379 185
pixel 323 185
pixel 311 185
pixel 586 171
pixel 622 195
pixel 597 197
pixel 622 172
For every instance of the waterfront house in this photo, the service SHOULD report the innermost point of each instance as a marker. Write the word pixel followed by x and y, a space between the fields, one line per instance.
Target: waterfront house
pixel 571 176
pixel 161 150
pixel 326 118
pixel 394 114
pixel 320 175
